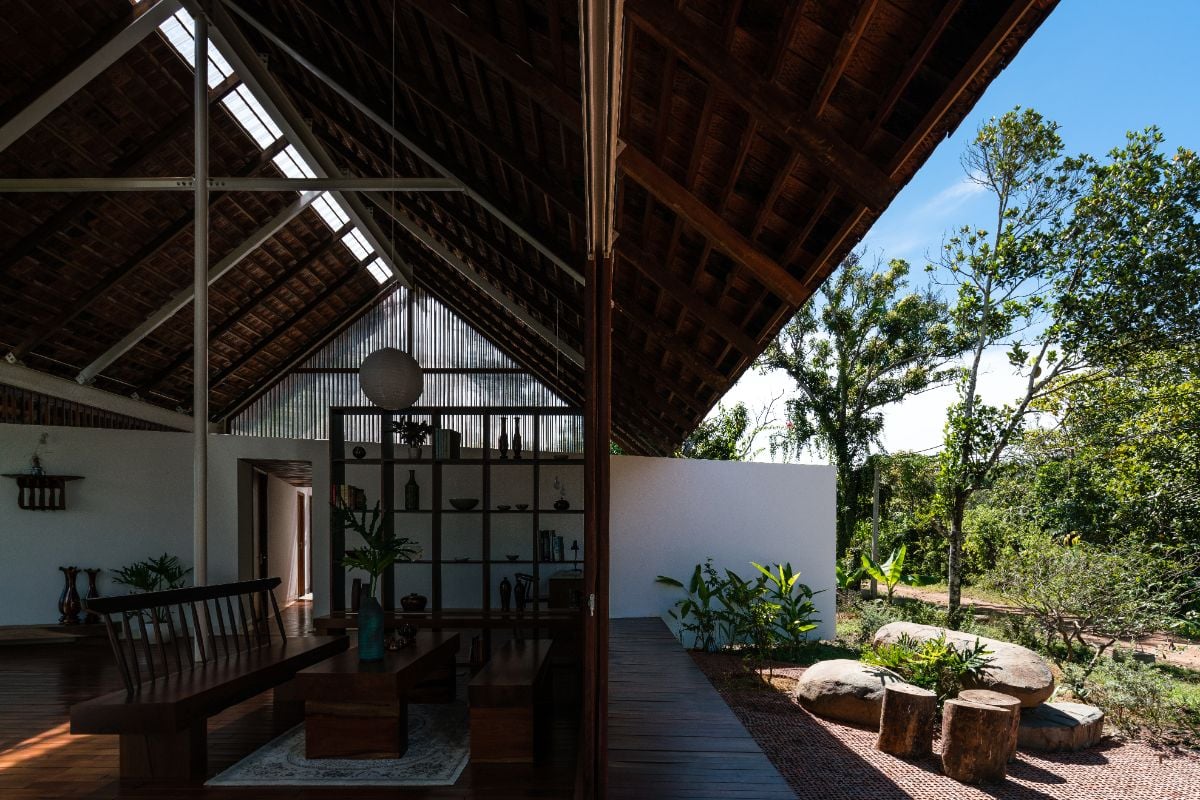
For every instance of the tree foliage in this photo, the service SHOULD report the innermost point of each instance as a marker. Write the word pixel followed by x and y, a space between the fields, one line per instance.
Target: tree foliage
pixel 862 343
pixel 729 435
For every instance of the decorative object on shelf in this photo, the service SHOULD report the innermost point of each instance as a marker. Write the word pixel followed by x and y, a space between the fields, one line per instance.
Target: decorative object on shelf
pixel 462 560
pixel 512 556
pixel 412 433
pixel 523 591
pixel 414 602
pixel 505 594
pixel 561 504
pixel 412 492
pixel 556 549
pixel 69 604
pixel 575 555
pixel 503 443
pixel 349 496
pixel 380 550
pixel 522 506
pixel 504 507
pixel 92 593
pixel 447 444
pixel 359 451
pixel 42 492
pixel 464 503
pixel 370 627
pixel 516 440
pixel 391 378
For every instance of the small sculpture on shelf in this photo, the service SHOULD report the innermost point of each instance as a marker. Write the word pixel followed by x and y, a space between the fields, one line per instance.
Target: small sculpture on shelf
pixel 561 504
pixel 516 440
pixel 575 555
pixel 503 443
pixel 505 594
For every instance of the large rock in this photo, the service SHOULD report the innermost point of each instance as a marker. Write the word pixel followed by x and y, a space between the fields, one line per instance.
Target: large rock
pixel 1060 727
pixel 845 690
pixel 1014 670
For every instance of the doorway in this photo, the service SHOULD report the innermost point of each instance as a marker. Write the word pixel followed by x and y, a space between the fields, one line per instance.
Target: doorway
pixel 275 525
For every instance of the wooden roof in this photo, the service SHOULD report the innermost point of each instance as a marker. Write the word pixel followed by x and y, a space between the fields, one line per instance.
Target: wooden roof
pixel 761 139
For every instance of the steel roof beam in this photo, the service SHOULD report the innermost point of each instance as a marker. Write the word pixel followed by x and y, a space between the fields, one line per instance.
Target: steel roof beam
pixel 140 23
pixel 227 184
pixel 182 298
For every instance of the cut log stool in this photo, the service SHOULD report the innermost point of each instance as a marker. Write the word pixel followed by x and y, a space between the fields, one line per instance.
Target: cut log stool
pixel 906 724
pixel 989 698
pixel 974 741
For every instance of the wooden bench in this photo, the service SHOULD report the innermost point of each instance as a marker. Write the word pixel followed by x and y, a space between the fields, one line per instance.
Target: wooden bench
pixel 175 679
pixel 509 701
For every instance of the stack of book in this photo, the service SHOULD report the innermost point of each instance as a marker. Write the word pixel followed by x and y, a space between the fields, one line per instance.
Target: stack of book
pixel 550 546
pixel 350 497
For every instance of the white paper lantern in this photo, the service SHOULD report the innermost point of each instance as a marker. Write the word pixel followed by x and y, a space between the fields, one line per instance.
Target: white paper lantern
pixel 391 378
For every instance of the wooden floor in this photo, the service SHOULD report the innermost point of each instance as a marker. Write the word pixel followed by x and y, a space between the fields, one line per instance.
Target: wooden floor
pixel 39 758
pixel 670 734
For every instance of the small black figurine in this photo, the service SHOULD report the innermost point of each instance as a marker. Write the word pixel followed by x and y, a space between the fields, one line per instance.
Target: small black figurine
pixel 505 594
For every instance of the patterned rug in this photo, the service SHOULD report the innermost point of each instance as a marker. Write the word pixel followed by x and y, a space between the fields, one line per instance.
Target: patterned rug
pixel 438 749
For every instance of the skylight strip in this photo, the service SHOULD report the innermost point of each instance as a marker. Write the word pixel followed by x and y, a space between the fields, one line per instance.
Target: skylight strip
pixel 379 271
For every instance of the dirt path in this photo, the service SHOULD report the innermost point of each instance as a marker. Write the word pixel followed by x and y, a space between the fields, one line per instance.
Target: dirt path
pixel 1170 649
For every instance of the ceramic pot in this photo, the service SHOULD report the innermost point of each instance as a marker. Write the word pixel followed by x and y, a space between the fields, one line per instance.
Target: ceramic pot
pixel 414 602
pixel 70 599
pixel 370 628
pixel 92 594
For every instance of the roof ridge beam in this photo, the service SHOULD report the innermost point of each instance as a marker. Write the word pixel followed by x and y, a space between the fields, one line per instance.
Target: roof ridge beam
pixel 771 106
pixel 133 28
pixel 724 236
pixel 420 152
pixel 184 296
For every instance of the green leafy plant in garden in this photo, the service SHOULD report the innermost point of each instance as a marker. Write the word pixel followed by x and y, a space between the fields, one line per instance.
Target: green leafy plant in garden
pixel 891 572
pixel 700 611
pixel 795 614
pixel 933 664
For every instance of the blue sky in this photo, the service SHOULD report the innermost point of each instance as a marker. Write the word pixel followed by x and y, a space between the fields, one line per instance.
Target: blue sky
pixel 1097 67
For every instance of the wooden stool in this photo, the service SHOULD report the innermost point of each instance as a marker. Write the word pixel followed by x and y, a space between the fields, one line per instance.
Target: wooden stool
pixel 1000 700
pixel 906 723
pixel 974 741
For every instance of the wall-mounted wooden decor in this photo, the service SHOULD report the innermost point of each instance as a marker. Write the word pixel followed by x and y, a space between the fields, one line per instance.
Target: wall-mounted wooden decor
pixel 42 492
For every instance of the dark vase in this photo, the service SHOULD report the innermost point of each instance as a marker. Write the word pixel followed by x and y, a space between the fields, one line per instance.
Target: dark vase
pixel 370 628
pixel 561 504
pixel 70 600
pixel 503 437
pixel 516 437
pixel 412 492
pixel 519 594
pixel 413 602
pixel 92 594
pixel 505 594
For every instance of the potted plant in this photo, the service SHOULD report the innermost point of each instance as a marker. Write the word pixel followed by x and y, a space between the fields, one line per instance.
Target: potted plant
pixel 412 433
pixel 379 551
pixel 153 575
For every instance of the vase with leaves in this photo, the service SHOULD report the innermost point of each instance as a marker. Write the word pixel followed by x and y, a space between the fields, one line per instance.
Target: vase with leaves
pixel 380 550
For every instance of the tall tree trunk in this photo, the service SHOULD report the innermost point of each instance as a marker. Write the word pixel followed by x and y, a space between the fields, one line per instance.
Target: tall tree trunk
pixel 847 495
pixel 954 570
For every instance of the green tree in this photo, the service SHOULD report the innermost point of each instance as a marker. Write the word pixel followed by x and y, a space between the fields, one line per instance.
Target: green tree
pixel 1059 259
pixel 862 343
pixel 728 435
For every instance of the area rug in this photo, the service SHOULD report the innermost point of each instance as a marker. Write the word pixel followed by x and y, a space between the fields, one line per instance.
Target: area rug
pixel 438 749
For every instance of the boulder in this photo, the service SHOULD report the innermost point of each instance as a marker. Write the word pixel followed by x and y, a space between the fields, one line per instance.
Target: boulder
pixel 1060 727
pixel 1014 670
pixel 845 690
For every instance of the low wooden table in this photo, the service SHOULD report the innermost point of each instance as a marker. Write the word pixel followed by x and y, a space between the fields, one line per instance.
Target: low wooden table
pixel 360 710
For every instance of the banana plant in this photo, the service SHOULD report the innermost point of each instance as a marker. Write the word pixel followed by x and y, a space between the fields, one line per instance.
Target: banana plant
pixel 697 613
pixel 848 580
pixel 891 572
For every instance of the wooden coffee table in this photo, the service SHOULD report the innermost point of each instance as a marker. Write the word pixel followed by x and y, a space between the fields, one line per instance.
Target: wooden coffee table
pixel 360 710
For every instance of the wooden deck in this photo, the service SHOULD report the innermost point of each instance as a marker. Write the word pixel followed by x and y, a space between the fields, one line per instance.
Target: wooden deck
pixel 670 733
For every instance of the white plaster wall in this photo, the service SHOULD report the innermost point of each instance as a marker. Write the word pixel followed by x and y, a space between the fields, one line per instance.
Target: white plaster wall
pixel 669 514
pixel 281 536
pixel 135 501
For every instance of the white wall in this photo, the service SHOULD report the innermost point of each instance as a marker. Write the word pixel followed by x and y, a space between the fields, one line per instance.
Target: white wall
pixel 281 536
pixel 670 514
pixel 135 501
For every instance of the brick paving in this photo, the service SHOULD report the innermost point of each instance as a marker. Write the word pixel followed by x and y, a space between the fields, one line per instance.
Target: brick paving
pixel 823 759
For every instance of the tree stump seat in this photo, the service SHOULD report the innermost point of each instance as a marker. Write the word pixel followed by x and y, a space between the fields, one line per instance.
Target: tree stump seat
pixel 975 744
pixel 906 723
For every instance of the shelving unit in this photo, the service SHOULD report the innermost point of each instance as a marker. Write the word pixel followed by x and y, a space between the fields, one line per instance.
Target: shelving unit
pixel 495 480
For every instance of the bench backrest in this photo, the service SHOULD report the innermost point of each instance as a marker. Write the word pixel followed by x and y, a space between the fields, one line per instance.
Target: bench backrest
pixel 167 614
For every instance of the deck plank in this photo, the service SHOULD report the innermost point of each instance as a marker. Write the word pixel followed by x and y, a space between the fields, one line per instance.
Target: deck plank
pixel 670 734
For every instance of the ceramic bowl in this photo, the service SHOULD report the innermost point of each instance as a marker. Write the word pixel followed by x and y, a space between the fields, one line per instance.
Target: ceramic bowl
pixel 464 503
pixel 503 507
pixel 522 506
pixel 512 556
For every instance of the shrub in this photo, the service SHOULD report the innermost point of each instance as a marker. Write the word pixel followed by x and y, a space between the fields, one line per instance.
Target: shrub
pixel 1133 695
pixel 698 612
pixel 933 664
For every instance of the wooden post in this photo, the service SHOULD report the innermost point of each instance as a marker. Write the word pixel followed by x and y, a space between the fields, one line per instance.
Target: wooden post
pixel 906 723
pixel 972 752
pixel 1006 701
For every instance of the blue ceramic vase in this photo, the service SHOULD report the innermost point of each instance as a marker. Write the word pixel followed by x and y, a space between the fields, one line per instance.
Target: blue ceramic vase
pixel 370 628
